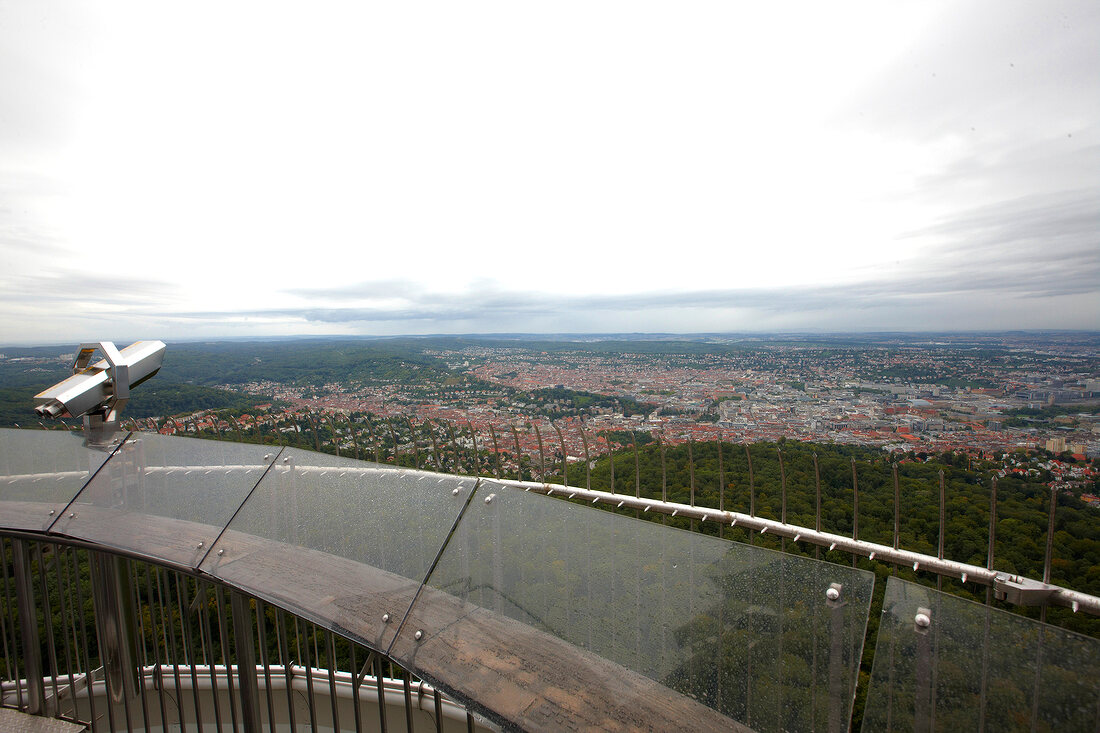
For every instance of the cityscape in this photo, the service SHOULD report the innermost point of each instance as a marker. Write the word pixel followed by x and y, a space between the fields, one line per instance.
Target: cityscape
pixel 1034 402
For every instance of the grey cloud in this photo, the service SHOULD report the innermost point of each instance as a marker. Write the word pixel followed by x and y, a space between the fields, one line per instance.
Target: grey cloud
pixel 1038 64
pixel 392 288
pixel 812 301
pixel 67 287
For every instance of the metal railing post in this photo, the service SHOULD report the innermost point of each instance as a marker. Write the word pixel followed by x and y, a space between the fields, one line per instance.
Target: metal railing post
pixel 28 628
pixel 246 662
pixel 115 624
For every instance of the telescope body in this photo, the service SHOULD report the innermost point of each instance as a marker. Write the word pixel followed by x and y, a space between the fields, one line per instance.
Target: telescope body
pixel 91 389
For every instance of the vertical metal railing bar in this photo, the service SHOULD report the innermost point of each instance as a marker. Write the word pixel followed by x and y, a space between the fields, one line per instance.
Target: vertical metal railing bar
pixel 542 453
pixel 496 451
pixel 817 505
pixel 66 614
pixel 1047 561
pixel 246 662
pixel 284 659
pixel 307 661
pixel 1048 557
pixel 313 427
pixel 89 670
pixel 721 490
pixel 519 452
pixel 374 442
pixel 335 435
pixel 457 467
pixel 691 472
pixel 752 488
pixel 381 689
pixel 356 685
pixel 664 469
pixel 265 661
pixel 436 458
pixel 406 685
pixel 897 506
pixel 354 437
pixel 438 700
pixel 587 459
pixel 10 659
pixel 477 455
pixel 171 649
pixel 129 569
pixel 992 540
pixel 188 640
pixel 611 461
pixel 415 447
pixel 333 697
pixel 202 591
pixel 783 496
pixel 47 617
pixel 943 528
pixel 315 657
pixel 637 469
pixel 112 626
pixel 158 676
pixel 855 507
pixel 564 455
pixel 28 626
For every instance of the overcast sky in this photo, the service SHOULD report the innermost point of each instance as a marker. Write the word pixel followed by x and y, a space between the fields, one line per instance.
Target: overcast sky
pixel 248 169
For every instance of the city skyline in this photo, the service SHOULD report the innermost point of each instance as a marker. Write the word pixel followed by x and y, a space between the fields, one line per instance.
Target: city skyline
pixel 487 169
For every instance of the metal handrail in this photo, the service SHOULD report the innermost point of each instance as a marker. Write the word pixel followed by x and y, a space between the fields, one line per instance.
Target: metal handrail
pixel 1010 587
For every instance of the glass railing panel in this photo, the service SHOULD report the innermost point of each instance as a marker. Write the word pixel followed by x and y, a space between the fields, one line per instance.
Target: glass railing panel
pixel 342 542
pixel 40 472
pixel 165 498
pixel 967 666
pixel 541 608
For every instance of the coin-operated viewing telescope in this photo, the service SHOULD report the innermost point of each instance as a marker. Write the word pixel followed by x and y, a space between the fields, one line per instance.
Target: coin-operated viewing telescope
pixel 98 392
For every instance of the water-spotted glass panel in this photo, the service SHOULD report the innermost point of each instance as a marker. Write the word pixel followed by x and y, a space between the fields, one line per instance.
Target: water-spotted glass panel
pixel 342 542
pixel 945 663
pixel 166 498
pixel 544 610
pixel 40 472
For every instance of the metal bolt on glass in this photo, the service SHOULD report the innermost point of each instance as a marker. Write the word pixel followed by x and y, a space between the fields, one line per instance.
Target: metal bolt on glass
pixel 923 620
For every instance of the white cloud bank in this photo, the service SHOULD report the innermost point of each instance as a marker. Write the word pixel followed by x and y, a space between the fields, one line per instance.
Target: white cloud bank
pixel 258 169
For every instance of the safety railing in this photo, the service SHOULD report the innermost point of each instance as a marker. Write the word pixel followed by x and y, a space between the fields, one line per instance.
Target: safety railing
pixel 140 572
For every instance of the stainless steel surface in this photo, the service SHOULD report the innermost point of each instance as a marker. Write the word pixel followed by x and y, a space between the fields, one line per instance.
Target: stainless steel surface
pixel 104 386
